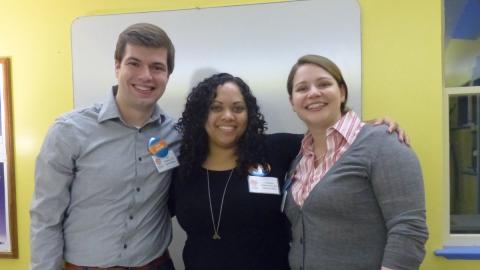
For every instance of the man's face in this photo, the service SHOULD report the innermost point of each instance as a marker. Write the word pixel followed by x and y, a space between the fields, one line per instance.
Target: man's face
pixel 142 77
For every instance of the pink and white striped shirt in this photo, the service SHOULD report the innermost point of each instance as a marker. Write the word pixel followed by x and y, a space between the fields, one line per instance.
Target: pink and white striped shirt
pixel 339 137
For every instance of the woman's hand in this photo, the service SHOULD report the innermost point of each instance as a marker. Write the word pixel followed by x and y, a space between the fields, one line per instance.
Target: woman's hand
pixel 392 126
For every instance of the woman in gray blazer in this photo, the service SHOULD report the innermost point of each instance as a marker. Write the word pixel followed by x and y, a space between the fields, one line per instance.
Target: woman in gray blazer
pixel 356 197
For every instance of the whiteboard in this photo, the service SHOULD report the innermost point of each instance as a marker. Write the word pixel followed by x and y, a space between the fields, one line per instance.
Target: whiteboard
pixel 258 43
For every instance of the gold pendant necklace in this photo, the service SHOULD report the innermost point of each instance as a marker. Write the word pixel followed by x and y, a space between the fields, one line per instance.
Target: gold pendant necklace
pixel 216 227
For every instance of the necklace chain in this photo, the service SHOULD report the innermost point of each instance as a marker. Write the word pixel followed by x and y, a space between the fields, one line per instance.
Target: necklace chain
pixel 216 227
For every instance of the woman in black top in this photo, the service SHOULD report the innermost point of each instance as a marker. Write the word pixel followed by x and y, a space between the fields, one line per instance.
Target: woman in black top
pixel 226 192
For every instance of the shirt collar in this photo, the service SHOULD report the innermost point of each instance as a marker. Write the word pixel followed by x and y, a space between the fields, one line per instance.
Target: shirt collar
pixel 341 127
pixel 344 126
pixel 110 110
pixel 307 145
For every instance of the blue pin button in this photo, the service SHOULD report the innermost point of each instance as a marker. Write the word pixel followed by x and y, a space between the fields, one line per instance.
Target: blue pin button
pixel 157 147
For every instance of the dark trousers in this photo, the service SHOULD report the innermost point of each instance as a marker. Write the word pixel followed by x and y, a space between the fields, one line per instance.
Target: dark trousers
pixel 168 265
pixel 164 262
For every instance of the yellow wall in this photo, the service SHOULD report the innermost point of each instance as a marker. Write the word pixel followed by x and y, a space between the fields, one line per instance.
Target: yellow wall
pixel 402 78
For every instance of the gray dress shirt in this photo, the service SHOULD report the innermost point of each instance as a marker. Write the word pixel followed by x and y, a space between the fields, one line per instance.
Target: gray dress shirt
pixel 99 199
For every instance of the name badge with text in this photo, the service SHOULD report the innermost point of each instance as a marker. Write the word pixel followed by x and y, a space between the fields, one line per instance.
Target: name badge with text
pixel 163 158
pixel 264 185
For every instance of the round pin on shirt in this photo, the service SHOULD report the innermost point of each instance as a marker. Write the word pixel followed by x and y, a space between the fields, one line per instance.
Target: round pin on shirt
pixel 259 170
pixel 157 147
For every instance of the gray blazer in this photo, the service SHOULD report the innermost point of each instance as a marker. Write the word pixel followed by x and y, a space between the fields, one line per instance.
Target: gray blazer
pixel 367 211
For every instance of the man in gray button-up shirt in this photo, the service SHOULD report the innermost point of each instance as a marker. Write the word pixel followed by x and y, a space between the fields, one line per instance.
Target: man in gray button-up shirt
pixel 99 199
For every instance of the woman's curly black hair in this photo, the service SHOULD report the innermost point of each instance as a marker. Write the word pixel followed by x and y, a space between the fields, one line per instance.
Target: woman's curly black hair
pixel 194 150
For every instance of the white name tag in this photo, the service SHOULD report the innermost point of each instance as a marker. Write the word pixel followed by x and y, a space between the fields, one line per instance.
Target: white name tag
pixel 165 163
pixel 265 185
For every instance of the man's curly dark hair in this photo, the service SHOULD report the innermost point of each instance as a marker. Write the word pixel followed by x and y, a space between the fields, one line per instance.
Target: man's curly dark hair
pixel 194 150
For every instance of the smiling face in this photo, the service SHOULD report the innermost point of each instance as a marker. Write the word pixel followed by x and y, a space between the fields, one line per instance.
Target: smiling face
pixel 227 117
pixel 142 76
pixel 316 96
